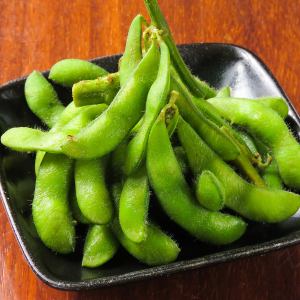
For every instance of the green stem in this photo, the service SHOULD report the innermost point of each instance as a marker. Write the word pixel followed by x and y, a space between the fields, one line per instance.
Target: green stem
pixel 198 88
pixel 243 162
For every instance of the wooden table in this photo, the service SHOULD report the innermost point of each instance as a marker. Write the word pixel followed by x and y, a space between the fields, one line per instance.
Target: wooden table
pixel 35 34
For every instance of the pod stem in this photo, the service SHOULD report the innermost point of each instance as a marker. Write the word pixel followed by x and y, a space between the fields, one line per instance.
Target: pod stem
pixel 243 161
pixel 170 113
pixel 197 87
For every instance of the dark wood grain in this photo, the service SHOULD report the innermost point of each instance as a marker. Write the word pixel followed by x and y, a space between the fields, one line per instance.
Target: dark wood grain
pixel 34 34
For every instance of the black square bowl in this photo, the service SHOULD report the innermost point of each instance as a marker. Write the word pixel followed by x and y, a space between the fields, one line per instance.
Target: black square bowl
pixel 218 64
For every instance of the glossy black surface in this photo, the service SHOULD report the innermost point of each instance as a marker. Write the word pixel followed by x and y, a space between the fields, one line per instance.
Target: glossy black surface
pixel 218 64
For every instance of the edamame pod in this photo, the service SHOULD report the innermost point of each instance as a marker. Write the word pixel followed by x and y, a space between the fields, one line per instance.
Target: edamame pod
pixel 42 99
pixel 92 195
pixel 156 99
pixel 100 246
pixel 68 71
pixel 133 206
pixel 182 159
pixel 176 198
pixel 117 159
pixel 157 249
pixel 270 173
pixel 271 176
pixel 71 121
pixel 209 191
pixel 76 212
pixel 252 202
pixel 214 136
pixel 224 92
pixel 26 139
pixel 257 159
pixel 248 141
pixel 68 113
pixel 208 110
pixel 220 131
pixel 265 124
pixel 100 90
pixel 71 112
pixel 207 121
pixel 38 160
pixel 108 130
pixel 133 50
pixel 82 119
pixel 136 127
pixel 278 104
pixel 50 209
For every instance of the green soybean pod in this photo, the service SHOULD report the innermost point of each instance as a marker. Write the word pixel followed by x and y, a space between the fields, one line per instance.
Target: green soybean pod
pixel 26 139
pixel 38 160
pixel 133 206
pixel 214 136
pixel 224 92
pixel 207 121
pixel 133 50
pixel 68 113
pixel 100 90
pixel 176 198
pixel 74 118
pixel 206 108
pixel 117 159
pixel 182 159
pixel 92 195
pixel 137 127
pixel 156 99
pixel 157 249
pixel 266 125
pixel 217 127
pixel 120 117
pixel 271 176
pixel 209 191
pixel 278 104
pixel 76 212
pixel 255 203
pixel 71 121
pixel 42 99
pixel 270 173
pixel 68 71
pixel 246 138
pixel 100 246
pixel 256 158
pixel 82 119
pixel 50 208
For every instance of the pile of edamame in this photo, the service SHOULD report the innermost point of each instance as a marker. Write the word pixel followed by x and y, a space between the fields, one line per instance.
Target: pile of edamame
pixel 143 133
